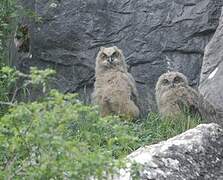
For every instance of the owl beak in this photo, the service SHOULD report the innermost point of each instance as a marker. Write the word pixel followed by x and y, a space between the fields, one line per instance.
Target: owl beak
pixel 172 85
pixel 110 60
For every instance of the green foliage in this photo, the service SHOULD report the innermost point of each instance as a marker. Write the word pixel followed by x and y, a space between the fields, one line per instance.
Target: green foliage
pixel 37 78
pixel 7 14
pixel 60 138
pixel 54 139
pixel 11 14
pixel 135 170
pixel 10 88
pixel 156 129
pixel 8 79
pixel 7 76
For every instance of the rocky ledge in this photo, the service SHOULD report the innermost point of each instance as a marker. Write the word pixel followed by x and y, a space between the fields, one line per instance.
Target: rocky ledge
pixel 195 154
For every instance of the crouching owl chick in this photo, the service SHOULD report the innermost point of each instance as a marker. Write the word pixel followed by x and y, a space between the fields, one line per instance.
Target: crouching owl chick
pixel 174 96
pixel 114 90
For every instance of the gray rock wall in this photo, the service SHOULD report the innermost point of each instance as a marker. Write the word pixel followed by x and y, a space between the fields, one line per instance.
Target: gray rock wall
pixel 155 35
pixel 196 154
pixel 211 85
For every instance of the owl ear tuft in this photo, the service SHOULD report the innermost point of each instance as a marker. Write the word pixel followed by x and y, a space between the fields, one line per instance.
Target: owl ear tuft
pixel 119 50
pixel 116 48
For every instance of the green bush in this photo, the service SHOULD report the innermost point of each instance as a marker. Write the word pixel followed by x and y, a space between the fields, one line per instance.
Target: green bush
pixel 14 83
pixel 8 13
pixel 8 80
pixel 60 138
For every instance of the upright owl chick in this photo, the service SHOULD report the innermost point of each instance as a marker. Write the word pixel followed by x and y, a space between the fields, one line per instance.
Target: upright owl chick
pixel 174 96
pixel 114 90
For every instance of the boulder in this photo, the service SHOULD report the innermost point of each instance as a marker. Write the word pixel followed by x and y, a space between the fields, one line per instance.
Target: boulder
pixel 211 82
pixel 195 154
pixel 155 36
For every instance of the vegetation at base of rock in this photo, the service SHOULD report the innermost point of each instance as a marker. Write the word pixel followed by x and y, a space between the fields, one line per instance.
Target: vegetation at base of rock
pixel 13 83
pixel 59 137
pixel 8 12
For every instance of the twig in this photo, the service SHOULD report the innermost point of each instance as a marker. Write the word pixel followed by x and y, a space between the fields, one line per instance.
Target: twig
pixel 7 103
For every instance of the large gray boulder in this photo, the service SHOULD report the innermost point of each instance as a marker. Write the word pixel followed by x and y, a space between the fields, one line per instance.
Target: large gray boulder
pixel 155 35
pixel 211 83
pixel 196 154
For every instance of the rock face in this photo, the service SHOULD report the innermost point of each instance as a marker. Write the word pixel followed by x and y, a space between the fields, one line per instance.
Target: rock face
pixel 195 154
pixel 155 36
pixel 211 83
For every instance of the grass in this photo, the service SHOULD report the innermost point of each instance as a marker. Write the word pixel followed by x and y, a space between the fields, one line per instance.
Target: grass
pixel 61 138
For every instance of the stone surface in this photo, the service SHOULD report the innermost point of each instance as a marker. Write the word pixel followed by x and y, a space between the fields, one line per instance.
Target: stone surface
pixel 211 85
pixel 155 35
pixel 196 154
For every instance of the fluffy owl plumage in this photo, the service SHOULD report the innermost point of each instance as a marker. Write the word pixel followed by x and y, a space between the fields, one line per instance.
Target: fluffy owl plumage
pixel 114 89
pixel 174 96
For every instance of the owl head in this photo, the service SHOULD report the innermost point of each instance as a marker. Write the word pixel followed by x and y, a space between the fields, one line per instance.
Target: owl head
pixel 170 80
pixel 110 58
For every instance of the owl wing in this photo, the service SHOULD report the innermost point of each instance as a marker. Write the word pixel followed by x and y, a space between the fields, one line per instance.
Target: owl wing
pixel 197 106
pixel 188 101
pixel 134 94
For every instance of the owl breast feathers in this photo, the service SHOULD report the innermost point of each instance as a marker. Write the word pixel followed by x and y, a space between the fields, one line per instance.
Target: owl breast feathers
pixel 175 96
pixel 114 90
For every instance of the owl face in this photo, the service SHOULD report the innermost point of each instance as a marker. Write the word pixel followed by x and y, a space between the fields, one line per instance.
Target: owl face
pixel 171 80
pixel 110 58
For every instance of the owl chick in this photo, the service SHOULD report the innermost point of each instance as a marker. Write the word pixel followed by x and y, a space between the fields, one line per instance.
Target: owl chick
pixel 114 90
pixel 174 96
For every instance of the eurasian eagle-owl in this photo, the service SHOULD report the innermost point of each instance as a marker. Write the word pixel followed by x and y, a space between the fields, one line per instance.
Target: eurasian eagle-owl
pixel 174 96
pixel 114 90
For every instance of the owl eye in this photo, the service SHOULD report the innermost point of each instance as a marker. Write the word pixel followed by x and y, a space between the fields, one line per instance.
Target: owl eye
pixel 177 80
pixel 103 56
pixel 165 82
pixel 115 54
